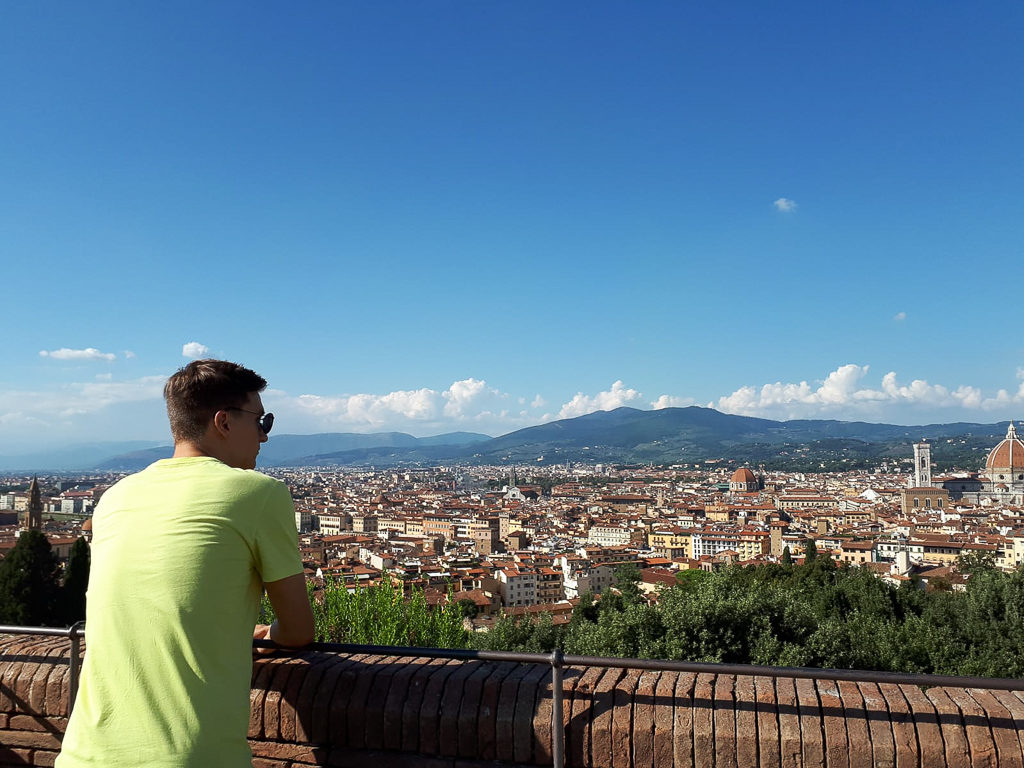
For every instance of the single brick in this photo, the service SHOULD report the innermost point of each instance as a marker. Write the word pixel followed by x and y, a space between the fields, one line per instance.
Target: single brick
pixel 622 719
pixel 289 716
pixel 769 754
pixel 262 762
pixel 746 721
pixel 643 719
pixel 704 721
pixel 812 731
pixel 790 742
pixel 723 709
pixel 37 723
pixel 682 739
pixel 43 757
pixel 279 750
pixel 837 747
pixel 38 739
pixel 664 717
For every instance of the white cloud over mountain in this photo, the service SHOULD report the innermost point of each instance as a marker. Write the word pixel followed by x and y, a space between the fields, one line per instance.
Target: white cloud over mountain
pixel 842 395
pixel 615 397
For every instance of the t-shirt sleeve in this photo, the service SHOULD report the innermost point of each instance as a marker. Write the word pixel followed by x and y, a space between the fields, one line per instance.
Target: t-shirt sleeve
pixel 277 541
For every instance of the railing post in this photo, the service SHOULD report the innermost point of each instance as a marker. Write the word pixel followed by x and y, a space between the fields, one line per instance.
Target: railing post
pixel 557 718
pixel 74 662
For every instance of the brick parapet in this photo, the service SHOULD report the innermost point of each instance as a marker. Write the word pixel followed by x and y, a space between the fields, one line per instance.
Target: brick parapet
pixel 318 709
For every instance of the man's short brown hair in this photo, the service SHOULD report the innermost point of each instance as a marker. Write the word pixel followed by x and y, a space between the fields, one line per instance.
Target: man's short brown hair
pixel 203 387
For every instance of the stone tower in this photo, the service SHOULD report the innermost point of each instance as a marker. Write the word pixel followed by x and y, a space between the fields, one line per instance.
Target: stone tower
pixel 922 465
pixel 34 513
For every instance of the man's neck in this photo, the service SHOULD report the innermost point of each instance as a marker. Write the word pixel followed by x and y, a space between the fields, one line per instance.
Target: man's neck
pixel 185 450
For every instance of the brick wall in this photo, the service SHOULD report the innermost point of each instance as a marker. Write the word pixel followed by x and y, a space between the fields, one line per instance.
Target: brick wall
pixel 396 712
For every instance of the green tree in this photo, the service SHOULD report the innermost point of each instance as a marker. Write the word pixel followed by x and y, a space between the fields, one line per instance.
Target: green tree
pixel 787 556
pixel 810 551
pixel 627 581
pixel 29 582
pixel 76 580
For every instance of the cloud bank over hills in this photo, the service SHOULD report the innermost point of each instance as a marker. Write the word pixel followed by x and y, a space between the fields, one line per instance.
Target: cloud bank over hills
pixel 109 408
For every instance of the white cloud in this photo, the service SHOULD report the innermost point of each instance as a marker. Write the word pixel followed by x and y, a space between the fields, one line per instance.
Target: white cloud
pixel 842 395
pixel 90 353
pixel 468 401
pixel 582 404
pixel 785 205
pixel 899 316
pixel 671 401
pixel 538 402
pixel 128 354
pixel 195 350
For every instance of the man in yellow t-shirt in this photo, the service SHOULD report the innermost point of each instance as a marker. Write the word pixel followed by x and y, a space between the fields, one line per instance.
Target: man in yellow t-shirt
pixel 181 553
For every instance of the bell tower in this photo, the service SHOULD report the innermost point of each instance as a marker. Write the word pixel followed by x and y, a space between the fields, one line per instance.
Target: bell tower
pixel 922 465
pixel 34 513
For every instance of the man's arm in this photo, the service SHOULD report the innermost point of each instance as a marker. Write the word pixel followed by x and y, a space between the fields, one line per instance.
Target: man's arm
pixel 290 601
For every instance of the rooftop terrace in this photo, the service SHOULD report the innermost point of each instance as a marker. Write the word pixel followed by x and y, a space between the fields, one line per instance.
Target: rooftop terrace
pixel 318 708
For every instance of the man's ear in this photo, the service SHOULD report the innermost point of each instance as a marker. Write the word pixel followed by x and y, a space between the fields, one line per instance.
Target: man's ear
pixel 221 424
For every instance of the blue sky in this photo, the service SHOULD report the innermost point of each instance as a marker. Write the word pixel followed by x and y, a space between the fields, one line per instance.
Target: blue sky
pixel 429 216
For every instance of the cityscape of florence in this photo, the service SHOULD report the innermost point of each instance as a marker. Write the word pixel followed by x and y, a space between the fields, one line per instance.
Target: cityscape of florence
pixel 643 378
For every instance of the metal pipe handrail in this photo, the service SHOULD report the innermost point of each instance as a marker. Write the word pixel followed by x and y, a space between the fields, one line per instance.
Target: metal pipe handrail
pixel 558 661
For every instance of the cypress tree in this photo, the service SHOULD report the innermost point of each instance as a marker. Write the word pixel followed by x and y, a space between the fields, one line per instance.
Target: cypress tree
pixel 29 582
pixel 76 580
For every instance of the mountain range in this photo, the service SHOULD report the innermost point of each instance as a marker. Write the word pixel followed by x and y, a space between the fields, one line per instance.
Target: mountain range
pixel 623 435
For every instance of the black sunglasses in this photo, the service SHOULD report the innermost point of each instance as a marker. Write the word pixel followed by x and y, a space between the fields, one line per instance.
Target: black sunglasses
pixel 266 420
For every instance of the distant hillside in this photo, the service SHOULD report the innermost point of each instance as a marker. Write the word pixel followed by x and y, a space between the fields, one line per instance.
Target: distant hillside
pixel 624 435
pixel 300 450
pixel 694 434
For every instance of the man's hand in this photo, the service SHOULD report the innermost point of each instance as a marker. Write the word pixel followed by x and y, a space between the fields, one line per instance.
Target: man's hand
pixel 261 632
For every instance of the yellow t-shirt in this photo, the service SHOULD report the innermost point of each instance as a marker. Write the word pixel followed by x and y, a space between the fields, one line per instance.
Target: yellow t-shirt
pixel 179 554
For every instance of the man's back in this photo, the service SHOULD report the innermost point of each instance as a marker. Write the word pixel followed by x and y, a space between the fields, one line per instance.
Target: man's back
pixel 180 553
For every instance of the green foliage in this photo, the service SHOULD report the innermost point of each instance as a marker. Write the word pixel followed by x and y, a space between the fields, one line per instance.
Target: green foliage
pixel 29 583
pixel 76 580
pixel 380 615
pixel 787 556
pixel 818 614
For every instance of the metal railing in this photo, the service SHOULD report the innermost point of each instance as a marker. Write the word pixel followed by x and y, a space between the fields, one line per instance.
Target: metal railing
pixel 558 661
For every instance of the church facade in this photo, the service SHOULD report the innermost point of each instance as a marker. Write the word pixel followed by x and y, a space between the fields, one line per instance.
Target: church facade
pixel 1000 482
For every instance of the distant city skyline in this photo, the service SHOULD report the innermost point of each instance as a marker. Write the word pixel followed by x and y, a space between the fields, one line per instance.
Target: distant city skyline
pixel 481 217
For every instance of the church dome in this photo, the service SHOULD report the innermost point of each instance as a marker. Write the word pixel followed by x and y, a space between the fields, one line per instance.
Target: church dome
pixel 744 475
pixel 1008 456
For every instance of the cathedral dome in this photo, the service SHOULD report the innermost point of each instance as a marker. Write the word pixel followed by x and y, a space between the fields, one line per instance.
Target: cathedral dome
pixel 744 475
pixel 1008 456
